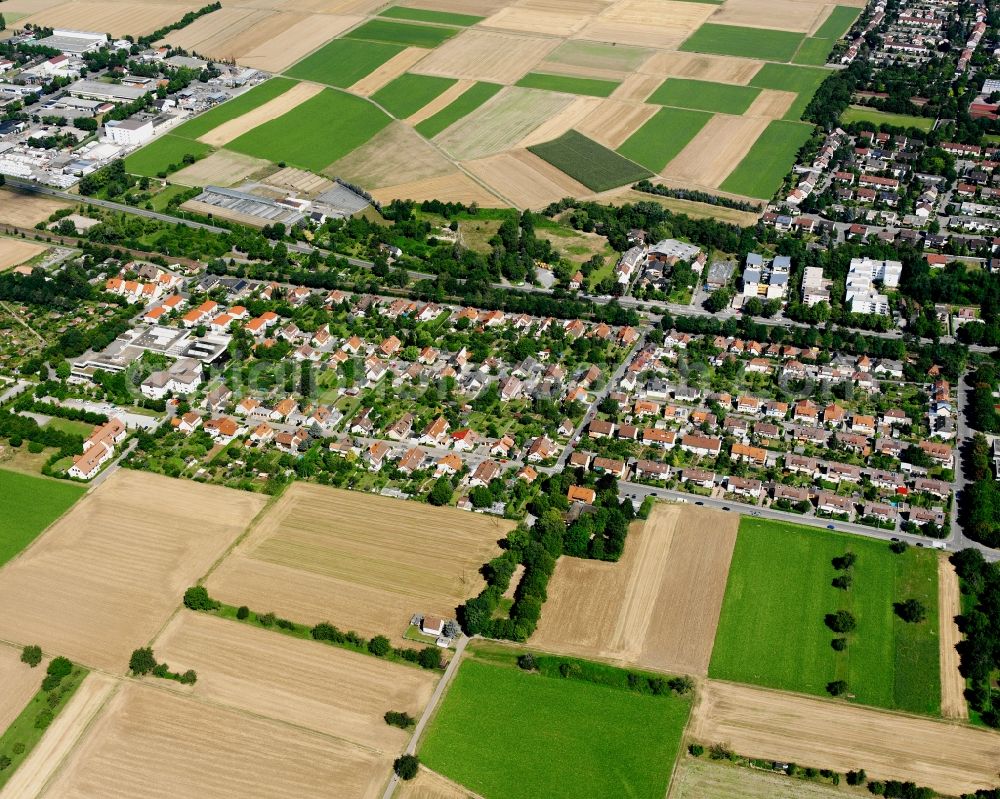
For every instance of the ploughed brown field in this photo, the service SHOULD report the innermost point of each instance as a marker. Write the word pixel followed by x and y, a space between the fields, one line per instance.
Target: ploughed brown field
pixel 658 607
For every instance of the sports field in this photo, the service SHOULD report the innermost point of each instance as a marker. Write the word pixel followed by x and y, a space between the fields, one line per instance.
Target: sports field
pixel 407 94
pixel 762 170
pixel 656 143
pixel 772 631
pixel 315 133
pixel 856 113
pixel 704 95
pixel 771 45
pixel 28 505
pixel 583 159
pixel 161 153
pixel 561 737
pixel 569 84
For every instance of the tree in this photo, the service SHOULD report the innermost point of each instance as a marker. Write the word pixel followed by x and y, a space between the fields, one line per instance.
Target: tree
pixel 442 492
pixel 836 688
pixel 197 598
pixel 527 662
pixel 32 655
pixel 142 661
pixel 396 719
pixel 242 612
pixel 898 547
pixel 379 646
pixel 406 766
pixel 430 658
pixel 842 581
pixel 911 610
pixel 842 621
pixel 839 644
pixel 856 777
pixel 845 561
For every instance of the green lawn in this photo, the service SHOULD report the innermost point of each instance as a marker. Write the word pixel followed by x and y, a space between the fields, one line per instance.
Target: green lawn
pixel 856 113
pixel 161 198
pixel 704 95
pixel 29 505
pixel 316 133
pixel 560 737
pixel 802 80
pixel 568 84
pixel 814 52
pixel 769 45
pixel 161 153
pixel 763 169
pixel 664 135
pixel 592 164
pixel 463 105
pixel 407 94
pixel 772 630
pixel 70 426
pixel 343 62
pixel 381 30
pixel 234 108
pixel 838 23
pixel 440 17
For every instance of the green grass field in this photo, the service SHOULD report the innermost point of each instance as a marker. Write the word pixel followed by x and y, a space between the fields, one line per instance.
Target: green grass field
pixel 664 135
pixel 463 105
pixel 440 17
pixel 30 504
pixel 772 630
pixel 592 164
pixel 343 62
pixel 568 84
pixel 161 153
pixel 407 94
pixel 231 109
pixel 703 95
pixel 71 426
pixel 381 30
pixel 814 52
pixel 838 23
pixel 316 133
pixel 763 169
pixel 561 737
pixel 857 113
pixel 769 45
pixel 802 80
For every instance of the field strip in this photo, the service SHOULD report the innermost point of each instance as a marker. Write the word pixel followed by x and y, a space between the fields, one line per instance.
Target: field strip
pixel 61 737
pixel 771 104
pixel 272 109
pixel 953 704
pixel 443 100
pixel 644 584
pixel 716 151
pixel 390 70
pixel 636 88
pixel 950 758
pixel 569 117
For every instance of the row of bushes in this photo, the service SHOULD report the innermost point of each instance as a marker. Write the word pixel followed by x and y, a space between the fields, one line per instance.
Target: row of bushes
pixel 980 648
pixel 143 662
pixel 601 674
pixel 197 598
pixel 73 414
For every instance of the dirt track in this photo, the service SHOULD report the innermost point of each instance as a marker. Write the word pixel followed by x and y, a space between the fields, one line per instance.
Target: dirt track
pixel 953 704
pixel 950 758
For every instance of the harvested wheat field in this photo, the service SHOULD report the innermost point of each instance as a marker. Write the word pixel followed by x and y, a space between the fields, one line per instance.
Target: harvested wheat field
pixel 272 109
pixel 389 71
pixel 479 8
pixel 613 121
pixel 715 151
pixel 396 154
pixel 17 251
pixel 221 168
pixel 551 22
pixel 105 576
pixel 708 779
pixel 255 31
pixel 771 104
pixel 658 606
pixel 308 684
pixel 524 179
pixel 27 210
pixel 487 55
pixel 299 181
pixel 158 744
pixel 790 15
pixel 456 188
pixel 953 704
pixel 715 68
pixel 950 758
pixel 20 682
pixel 636 88
pixel 578 110
pixel 108 16
pixel 647 23
pixel 362 562
pixel 431 785
pixel 207 32
pixel 295 42
pixel 60 738
pixel 501 122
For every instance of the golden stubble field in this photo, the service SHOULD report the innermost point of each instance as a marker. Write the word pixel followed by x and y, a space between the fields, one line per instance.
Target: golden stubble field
pixel 104 578
pixel 362 562
pixel 707 779
pixel 658 606
pixel 953 704
pixel 27 210
pixel 948 757
pixel 16 251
